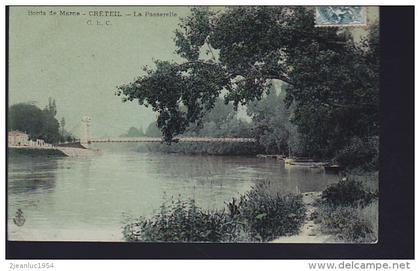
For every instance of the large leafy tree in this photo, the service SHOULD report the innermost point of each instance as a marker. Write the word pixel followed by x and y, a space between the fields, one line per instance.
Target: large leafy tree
pixel 26 118
pixel 37 123
pixel 332 80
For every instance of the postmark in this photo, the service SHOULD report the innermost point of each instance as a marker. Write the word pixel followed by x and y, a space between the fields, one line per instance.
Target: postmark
pixel 332 16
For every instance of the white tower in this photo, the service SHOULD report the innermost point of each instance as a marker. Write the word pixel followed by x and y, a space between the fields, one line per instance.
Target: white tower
pixel 85 131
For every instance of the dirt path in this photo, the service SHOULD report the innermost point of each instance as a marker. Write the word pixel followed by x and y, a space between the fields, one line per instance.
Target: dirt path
pixel 309 232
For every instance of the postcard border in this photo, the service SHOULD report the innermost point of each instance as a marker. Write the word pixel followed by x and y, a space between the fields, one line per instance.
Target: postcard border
pixel 396 240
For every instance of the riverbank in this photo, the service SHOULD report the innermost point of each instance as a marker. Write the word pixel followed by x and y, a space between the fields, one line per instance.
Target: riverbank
pixel 34 152
pixel 204 148
pixel 310 232
pixel 51 151
pixel 345 212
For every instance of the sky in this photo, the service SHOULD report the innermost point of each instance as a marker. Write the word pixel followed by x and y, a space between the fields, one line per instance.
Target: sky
pixel 79 63
pixel 79 60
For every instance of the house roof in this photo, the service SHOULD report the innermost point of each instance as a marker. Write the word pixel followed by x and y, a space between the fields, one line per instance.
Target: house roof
pixel 16 133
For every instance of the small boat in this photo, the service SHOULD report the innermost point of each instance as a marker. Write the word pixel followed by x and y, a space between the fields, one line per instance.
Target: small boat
pixel 332 168
pixel 309 164
pixel 272 156
pixel 304 162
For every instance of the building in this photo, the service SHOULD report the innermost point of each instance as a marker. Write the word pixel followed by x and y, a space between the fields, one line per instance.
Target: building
pixel 17 138
pixel 41 143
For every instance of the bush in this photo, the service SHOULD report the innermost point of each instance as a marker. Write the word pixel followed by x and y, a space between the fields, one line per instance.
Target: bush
pixel 183 221
pixel 360 153
pixel 348 193
pixel 259 215
pixel 351 224
pixel 370 213
pixel 268 215
pixel 349 210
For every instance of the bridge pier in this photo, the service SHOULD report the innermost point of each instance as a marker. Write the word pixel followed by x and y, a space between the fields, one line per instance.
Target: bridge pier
pixel 85 132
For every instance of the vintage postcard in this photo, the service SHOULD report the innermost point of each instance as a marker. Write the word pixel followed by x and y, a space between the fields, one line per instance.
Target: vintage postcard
pixel 234 124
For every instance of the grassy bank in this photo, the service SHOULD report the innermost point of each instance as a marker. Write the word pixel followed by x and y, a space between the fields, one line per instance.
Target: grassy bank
pixel 34 152
pixel 260 215
pixel 347 211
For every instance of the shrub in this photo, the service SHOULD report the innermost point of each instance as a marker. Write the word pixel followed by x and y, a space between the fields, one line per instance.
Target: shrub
pixel 349 209
pixel 266 214
pixel 360 153
pixel 183 221
pixel 348 193
pixel 371 214
pixel 260 215
pixel 350 224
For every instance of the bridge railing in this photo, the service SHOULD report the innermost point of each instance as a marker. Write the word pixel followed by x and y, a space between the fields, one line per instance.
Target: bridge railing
pixel 180 139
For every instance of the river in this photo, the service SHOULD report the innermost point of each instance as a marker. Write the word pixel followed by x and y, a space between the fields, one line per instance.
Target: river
pixel 90 198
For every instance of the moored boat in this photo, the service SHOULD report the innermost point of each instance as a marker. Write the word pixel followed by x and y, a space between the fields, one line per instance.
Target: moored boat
pixel 304 162
pixel 332 168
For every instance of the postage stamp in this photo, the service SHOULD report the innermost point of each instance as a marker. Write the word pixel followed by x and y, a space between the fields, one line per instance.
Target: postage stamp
pixel 326 16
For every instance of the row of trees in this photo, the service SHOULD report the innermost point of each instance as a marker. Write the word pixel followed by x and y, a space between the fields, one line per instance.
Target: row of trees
pixel 332 81
pixel 151 131
pixel 38 123
pixel 271 124
pixel 221 121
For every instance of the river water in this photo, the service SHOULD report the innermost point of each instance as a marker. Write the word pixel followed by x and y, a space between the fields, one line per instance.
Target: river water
pixel 90 198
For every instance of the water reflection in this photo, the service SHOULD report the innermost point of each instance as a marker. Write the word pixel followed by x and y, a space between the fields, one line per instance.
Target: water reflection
pixel 306 179
pixel 31 175
pixel 84 198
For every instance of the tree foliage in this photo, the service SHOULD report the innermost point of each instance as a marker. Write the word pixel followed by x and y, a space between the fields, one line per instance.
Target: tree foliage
pixel 271 122
pixel 134 132
pixel 153 130
pixel 26 118
pixel 332 80
pixel 221 121
pixel 37 123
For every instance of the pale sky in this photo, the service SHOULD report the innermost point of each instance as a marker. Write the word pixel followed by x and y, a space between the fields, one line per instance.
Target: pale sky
pixel 80 65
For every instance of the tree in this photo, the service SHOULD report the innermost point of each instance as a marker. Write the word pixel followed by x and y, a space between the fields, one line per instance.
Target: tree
pixel 335 94
pixel 37 123
pixel 50 132
pixel 51 108
pixel 152 130
pixel 26 118
pixel 141 132
pixel 332 80
pixel 271 122
pixel 221 121
pixel 62 124
pixel 133 132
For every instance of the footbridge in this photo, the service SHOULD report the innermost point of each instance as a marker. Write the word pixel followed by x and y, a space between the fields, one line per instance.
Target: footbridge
pixel 86 139
pixel 176 139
